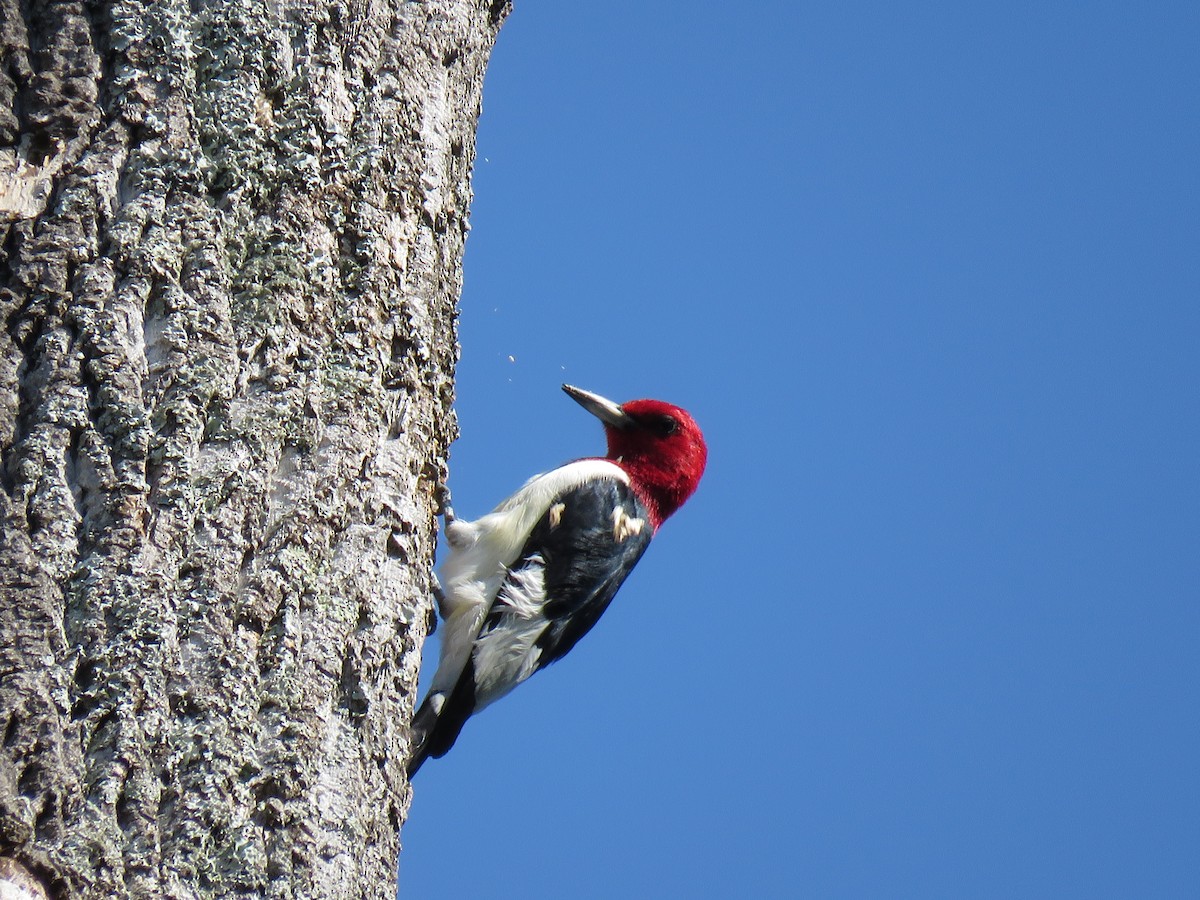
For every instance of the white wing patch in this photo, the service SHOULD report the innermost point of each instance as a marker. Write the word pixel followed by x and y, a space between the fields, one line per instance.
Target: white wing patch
pixel 524 593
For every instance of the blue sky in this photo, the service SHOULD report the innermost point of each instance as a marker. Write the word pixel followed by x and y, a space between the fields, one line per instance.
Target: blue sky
pixel 929 278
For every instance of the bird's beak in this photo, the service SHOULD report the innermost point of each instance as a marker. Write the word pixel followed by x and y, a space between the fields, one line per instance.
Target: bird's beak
pixel 603 409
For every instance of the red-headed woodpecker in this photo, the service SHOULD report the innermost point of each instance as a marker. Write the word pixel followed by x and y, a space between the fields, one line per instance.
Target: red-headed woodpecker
pixel 524 583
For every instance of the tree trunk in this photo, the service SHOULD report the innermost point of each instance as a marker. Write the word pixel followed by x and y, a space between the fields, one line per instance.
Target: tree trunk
pixel 232 244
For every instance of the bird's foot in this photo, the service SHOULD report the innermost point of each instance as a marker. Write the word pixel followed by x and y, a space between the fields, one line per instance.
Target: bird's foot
pixel 442 495
pixel 439 597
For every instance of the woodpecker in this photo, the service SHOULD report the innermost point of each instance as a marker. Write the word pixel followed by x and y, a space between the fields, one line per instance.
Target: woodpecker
pixel 521 585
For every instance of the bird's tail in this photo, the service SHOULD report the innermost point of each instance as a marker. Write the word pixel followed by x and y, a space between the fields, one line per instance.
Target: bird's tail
pixel 440 719
pixel 423 724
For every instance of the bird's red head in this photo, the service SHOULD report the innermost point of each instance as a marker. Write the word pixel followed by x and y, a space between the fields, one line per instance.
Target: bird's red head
pixel 657 443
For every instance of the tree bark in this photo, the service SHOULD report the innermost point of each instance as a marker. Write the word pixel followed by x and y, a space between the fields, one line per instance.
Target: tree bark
pixel 232 243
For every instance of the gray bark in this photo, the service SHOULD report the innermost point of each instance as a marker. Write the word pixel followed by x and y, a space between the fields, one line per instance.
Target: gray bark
pixel 232 236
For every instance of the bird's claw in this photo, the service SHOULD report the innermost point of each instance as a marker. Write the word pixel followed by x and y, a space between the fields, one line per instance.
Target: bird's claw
pixel 444 509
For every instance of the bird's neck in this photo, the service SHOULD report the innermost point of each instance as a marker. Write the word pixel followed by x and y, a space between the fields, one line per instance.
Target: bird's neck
pixel 662 488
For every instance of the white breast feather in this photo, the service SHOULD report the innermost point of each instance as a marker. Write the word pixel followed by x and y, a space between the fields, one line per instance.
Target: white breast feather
pixel 477 565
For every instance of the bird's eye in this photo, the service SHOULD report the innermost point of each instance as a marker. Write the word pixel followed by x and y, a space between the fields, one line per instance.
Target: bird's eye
pixel 667 425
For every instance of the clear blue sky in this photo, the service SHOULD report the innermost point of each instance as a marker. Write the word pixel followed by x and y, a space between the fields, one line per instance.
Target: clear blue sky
pixel 928 275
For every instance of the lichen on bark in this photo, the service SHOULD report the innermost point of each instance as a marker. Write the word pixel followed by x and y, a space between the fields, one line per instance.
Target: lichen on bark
pixel 232 239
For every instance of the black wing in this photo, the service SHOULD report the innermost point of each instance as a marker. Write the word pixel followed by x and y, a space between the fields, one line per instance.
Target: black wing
pixel 589 541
